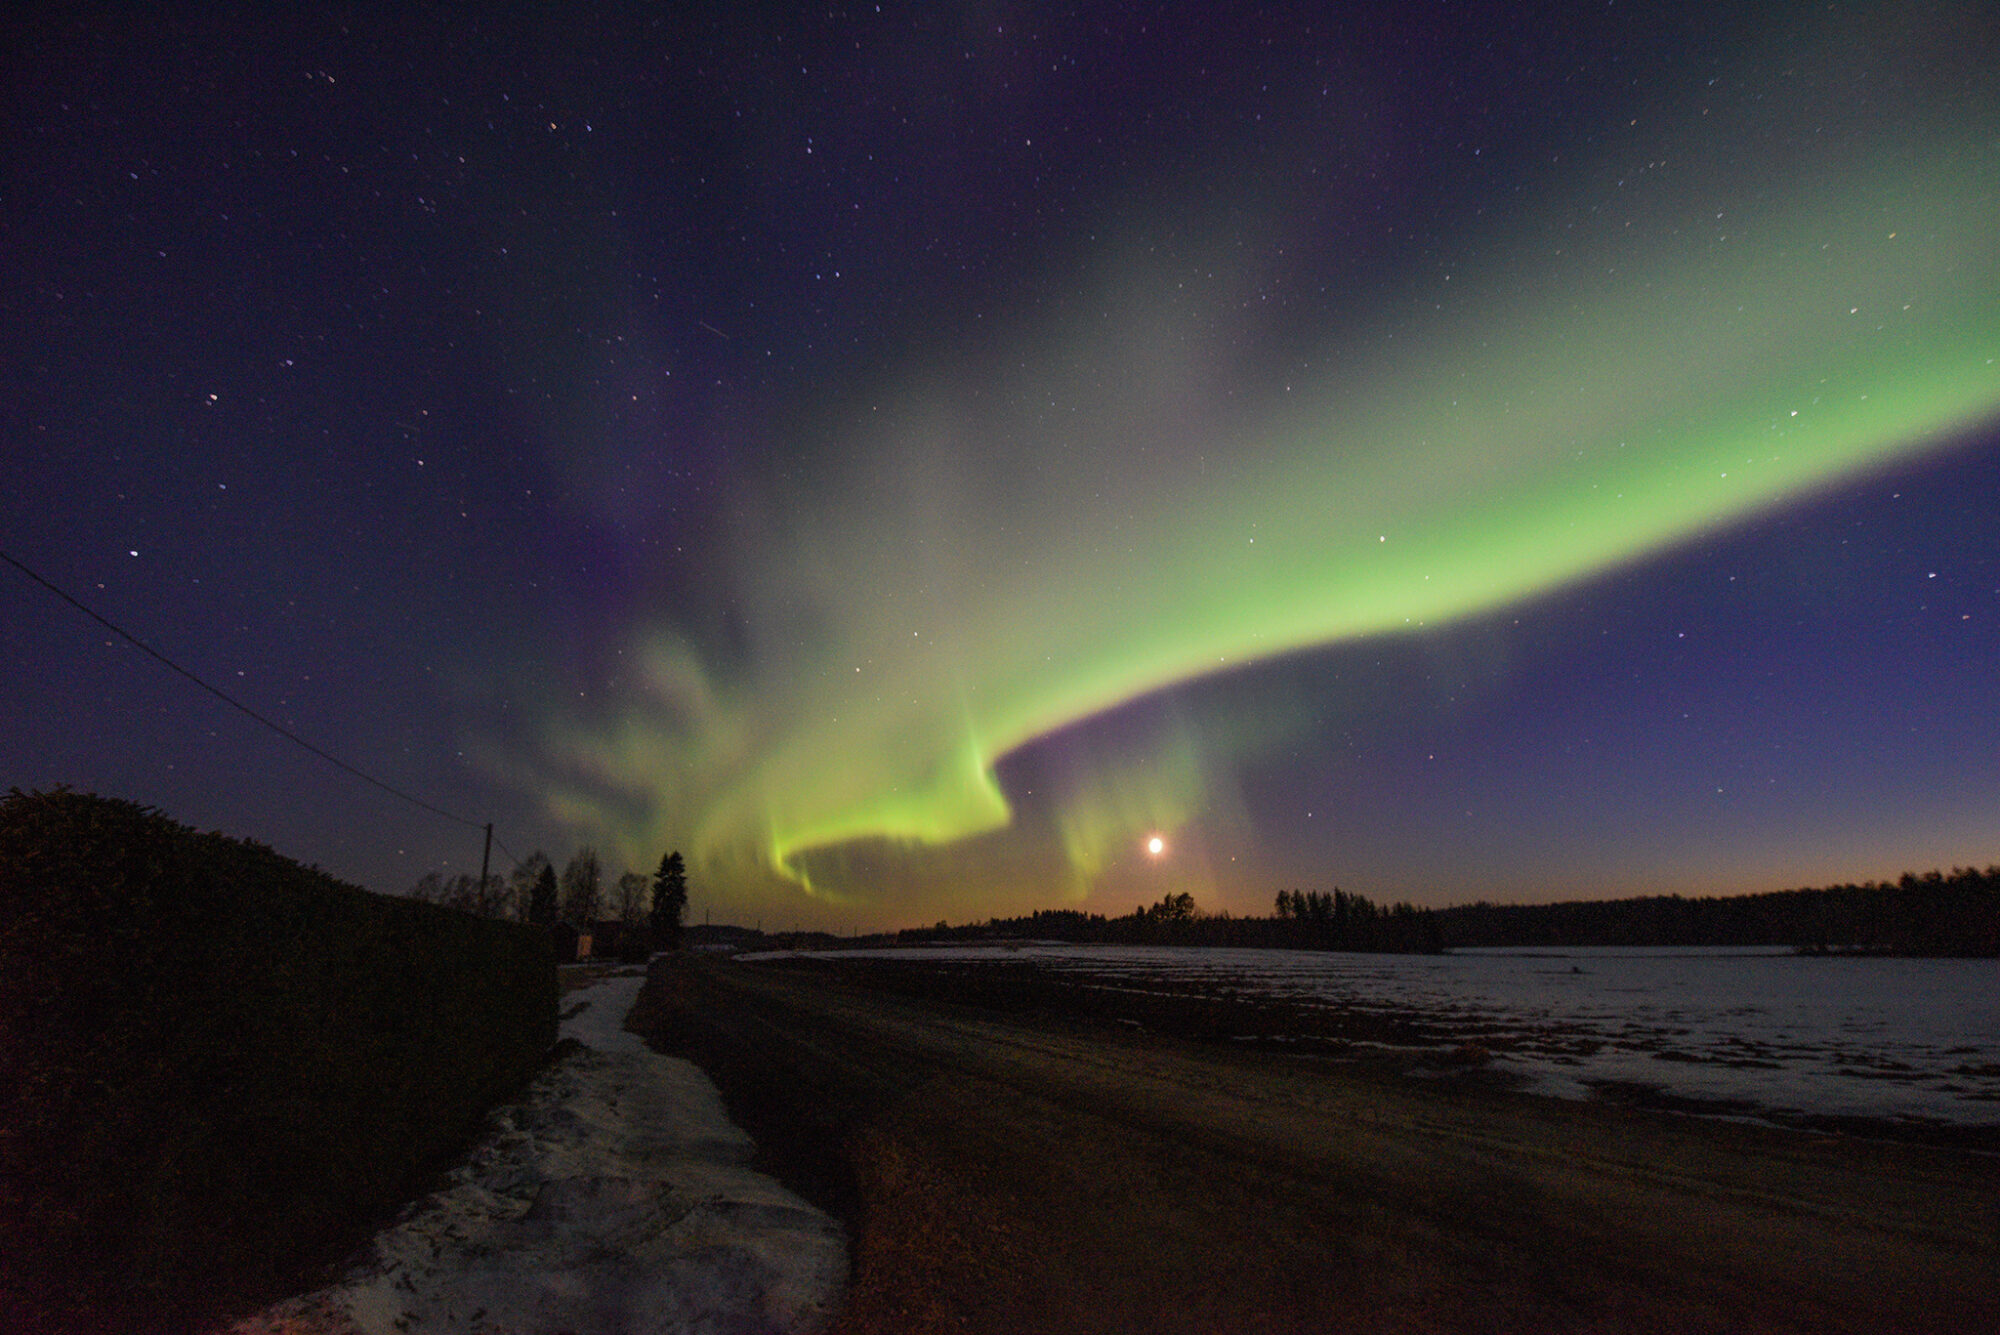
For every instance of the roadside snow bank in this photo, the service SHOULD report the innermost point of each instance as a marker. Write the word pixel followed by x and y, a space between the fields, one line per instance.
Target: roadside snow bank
pixel 612 1201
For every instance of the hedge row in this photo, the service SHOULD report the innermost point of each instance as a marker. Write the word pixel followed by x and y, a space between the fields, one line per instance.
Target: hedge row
pixel 214 1061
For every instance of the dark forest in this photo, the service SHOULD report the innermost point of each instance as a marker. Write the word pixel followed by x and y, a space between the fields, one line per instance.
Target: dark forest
pixel 1936 913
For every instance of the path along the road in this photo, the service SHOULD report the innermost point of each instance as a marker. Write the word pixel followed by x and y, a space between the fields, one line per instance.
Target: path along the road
pixel 613 1200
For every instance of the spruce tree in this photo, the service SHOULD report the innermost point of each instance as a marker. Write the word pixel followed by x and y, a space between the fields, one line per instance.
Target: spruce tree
pixel 542 899
pixel 670 897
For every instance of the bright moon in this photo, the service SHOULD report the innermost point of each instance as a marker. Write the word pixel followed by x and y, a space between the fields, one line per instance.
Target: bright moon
pixel 1156 845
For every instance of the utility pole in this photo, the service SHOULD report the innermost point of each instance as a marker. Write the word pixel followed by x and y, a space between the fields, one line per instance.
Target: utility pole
pixel 485 859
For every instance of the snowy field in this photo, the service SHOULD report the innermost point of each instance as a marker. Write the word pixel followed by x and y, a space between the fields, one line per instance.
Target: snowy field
pixel 612 1201
pixel 1744 1032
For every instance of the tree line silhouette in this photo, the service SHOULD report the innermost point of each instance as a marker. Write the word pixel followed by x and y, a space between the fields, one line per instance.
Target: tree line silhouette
pixel 536 893
pixel 1302 920
pixel 1933 914
pixel 1936 913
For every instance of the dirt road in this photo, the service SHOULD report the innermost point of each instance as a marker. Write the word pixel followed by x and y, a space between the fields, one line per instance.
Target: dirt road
pixel 1031 1173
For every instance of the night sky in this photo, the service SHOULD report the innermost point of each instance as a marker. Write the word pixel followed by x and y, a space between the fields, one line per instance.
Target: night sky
pixel 907 458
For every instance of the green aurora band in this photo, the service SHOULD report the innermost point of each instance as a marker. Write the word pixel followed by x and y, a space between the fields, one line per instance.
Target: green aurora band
pixel 1005 547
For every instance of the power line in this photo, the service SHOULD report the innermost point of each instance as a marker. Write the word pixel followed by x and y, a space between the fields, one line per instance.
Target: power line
pixel 234 703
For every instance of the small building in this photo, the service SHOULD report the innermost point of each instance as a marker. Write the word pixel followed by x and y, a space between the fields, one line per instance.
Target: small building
pixel 626 942
pixel 607 938
pixel 571 943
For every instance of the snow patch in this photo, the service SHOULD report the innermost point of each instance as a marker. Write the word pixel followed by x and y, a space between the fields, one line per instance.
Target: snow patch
pixel 613 1200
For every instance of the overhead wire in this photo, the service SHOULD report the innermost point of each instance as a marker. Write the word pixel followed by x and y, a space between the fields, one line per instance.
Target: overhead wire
pixel 236 704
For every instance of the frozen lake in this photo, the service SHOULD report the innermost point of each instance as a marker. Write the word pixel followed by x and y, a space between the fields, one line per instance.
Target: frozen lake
pixel 1743 1032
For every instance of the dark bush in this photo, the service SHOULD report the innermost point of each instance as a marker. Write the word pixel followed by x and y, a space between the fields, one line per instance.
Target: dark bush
pixel 214 1060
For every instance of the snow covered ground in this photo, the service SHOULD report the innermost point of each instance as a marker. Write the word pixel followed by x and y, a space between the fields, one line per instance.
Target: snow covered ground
pixel 1749 1032
pixel 613 1200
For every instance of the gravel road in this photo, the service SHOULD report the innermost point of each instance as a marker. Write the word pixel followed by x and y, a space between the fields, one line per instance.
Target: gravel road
pixel 1032 1172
